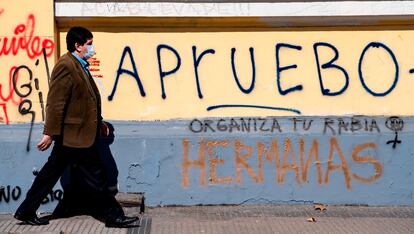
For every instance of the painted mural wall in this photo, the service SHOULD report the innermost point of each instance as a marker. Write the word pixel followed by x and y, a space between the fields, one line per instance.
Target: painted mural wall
pixel 27 53
pixel 161 76
pixel 222 117
pixel 27 50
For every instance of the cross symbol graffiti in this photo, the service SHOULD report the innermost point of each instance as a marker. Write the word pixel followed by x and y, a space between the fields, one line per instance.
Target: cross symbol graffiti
pixel 395 124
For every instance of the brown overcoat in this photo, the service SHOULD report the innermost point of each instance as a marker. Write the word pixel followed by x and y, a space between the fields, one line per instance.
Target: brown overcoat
pixel 73 104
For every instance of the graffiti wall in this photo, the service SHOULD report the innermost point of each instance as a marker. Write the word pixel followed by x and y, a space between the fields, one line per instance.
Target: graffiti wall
pixel 27 48
pixel 152 76
pixel 19 167
pixel 223 102
pixel 26 54
pixel 282 116
pixel 271 160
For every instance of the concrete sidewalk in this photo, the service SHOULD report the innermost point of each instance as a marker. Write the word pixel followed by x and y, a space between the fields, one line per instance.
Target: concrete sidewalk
pixel 240 219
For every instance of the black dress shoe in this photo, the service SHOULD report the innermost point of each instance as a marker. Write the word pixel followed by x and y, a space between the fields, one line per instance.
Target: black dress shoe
pixel 121 222
pixel 31 220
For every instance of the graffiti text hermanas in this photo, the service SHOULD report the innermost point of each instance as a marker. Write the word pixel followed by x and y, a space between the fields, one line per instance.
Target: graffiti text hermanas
pixel 284 156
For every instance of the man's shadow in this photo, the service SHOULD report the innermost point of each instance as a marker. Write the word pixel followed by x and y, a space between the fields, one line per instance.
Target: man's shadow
pixel 71 181
pixel 108 159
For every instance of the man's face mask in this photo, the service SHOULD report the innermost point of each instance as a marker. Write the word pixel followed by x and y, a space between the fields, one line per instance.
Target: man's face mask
pixel 90 52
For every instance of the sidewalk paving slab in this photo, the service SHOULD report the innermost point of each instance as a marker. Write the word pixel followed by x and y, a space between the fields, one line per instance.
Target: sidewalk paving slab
pixel 238 219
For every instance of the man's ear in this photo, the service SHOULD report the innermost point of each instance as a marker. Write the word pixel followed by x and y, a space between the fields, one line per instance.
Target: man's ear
pixel 77 45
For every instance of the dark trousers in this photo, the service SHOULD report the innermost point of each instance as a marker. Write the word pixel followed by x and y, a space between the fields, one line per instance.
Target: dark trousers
pixel 88 190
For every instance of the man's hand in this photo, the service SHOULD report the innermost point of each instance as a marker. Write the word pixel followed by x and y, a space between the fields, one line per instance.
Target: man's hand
pixel 104 129
pixel 44 143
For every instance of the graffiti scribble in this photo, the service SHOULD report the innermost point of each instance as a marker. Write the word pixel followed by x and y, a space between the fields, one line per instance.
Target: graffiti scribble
pixel 254 106
pixel 24 90
pixel 395 124
pixel 24 40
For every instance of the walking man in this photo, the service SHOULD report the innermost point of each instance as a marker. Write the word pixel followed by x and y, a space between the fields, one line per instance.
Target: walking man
pixel 74 122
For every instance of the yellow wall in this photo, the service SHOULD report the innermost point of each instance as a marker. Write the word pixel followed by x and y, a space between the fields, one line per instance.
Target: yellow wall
pixel 219 87
pixel 29 25
pixel 26 27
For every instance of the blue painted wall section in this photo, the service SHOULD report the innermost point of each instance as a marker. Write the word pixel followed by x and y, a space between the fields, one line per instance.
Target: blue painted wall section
pixel 333 160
